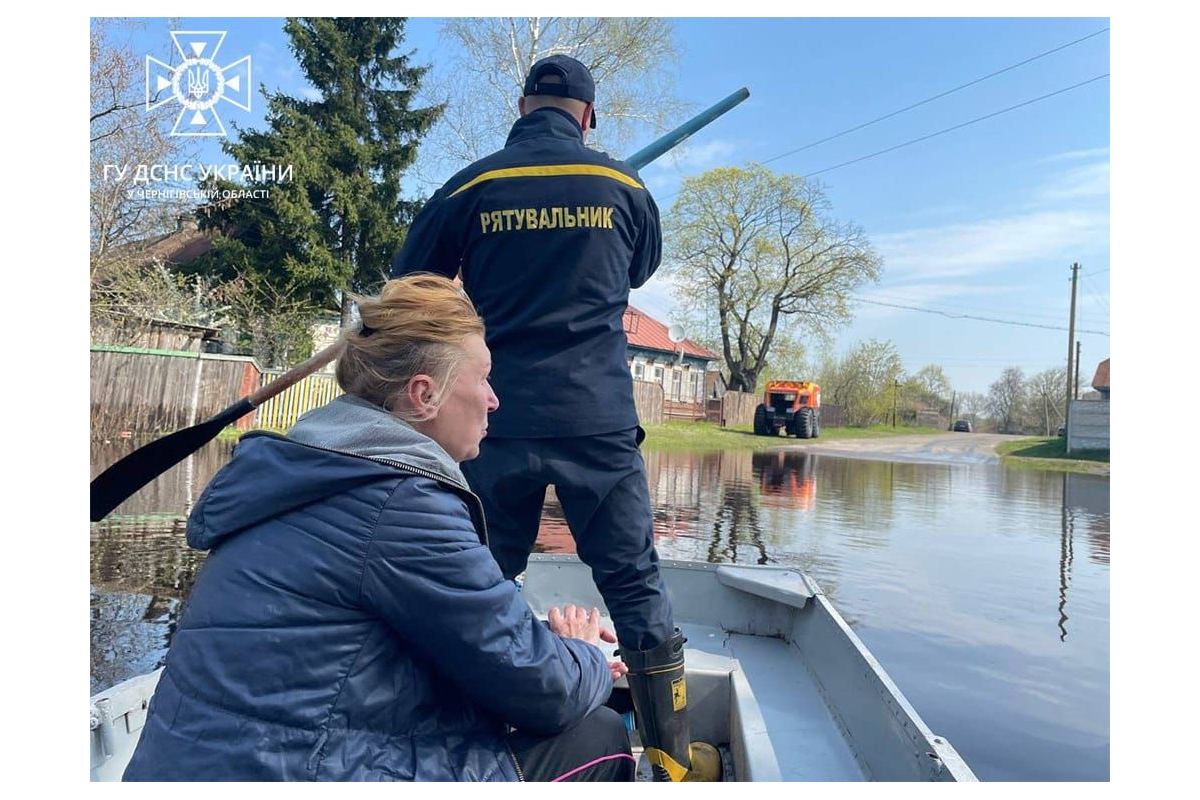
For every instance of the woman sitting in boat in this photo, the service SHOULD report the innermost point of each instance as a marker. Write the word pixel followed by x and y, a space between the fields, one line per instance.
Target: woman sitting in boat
pixel 350 623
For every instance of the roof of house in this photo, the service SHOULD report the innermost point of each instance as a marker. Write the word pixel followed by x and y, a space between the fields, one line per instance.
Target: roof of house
pixel 181 246
pixel 643 330
pixel 1100 381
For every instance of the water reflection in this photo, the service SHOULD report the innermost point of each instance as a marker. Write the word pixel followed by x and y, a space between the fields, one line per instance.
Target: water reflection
pixel 175 491
pixel 788 480
pixel 962 580
pixel 130 634
pixel 141 566
pixel 1086 508
pixel 735 520
pixel 1085 504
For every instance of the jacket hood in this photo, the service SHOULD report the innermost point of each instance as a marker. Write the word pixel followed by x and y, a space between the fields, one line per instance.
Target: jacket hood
pixel 545 121
pixel 332 449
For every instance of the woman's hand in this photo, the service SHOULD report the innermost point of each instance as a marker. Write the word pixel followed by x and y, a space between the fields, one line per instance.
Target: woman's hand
pixel 576 623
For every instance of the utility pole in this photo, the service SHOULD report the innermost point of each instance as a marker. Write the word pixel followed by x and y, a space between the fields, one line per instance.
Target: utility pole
pixel 1078 345
pixel 1071 347
pixel 895 392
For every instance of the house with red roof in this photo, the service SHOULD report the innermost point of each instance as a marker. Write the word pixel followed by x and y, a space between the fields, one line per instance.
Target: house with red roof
pixel 680 368
pixel 1100 381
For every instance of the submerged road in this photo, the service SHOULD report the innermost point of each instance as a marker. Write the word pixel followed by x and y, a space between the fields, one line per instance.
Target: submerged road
pixel 938 448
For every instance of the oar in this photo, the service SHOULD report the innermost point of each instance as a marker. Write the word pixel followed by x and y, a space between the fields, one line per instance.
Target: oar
pixel 113 486
pixel 673 138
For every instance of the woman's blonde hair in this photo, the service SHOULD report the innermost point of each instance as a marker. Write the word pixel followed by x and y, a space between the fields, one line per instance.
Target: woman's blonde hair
pixel 416 326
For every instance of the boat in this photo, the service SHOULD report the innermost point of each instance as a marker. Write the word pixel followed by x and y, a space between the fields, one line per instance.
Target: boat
pixel 775 678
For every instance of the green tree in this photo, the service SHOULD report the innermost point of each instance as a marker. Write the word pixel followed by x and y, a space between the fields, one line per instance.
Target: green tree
pixel 762 251
pixel 336 224
pixel 934 386
pixel 927 388
pixel 862 382
pixel 788 361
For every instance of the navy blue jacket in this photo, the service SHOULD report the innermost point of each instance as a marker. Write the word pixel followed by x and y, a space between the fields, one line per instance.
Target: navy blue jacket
pixel 550 237
pixel 351 624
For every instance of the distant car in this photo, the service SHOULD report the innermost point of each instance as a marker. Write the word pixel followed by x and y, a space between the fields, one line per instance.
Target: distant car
pixel 961 426
pixel 1062 430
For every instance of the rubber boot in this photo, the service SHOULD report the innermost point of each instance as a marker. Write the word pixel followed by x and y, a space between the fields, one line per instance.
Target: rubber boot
pixel 656 683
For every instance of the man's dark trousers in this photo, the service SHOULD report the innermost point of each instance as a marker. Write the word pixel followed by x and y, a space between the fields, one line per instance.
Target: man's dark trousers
pixel 600 481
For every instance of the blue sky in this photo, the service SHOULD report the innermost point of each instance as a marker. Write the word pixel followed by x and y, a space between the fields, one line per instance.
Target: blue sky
pixel 982 221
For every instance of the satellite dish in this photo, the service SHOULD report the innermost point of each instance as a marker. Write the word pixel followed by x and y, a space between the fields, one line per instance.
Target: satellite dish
pixel 676 335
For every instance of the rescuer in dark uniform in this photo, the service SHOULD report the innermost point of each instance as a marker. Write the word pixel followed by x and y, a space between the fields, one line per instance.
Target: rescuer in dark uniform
pixel 549 237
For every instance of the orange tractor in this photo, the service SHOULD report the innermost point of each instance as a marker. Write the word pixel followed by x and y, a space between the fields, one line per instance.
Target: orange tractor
pixel 794 406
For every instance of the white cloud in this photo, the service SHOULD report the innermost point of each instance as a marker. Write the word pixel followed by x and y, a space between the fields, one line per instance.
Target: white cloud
pixel 992 245
pixel 948 297
pixel 1088 181
pixel 1075 155
pixel 716 152
pixel 925 293
pixel 1064 216
pixel 271 65
pixel 662 186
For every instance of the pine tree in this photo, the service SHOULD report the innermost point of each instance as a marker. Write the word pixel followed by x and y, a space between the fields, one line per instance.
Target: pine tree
pixel 335 225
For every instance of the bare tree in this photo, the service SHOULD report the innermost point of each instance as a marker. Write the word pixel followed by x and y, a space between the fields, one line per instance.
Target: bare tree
pixel 1046 390
pixel 762 250
pixel 1007 399
pixel 631 60
pixel 134 296
pixel 124 135
pixel 973 406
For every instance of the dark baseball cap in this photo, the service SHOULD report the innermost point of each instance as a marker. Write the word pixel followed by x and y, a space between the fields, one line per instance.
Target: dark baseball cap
pixel 576 81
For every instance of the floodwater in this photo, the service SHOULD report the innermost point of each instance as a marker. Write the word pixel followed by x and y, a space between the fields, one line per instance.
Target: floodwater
pixel 983 591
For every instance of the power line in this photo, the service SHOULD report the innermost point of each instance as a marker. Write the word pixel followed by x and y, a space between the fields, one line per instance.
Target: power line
pixel 935 97
pixel 956 127
pixel 966 361
pixel 1088 286
pixel 1012 362
pixel 970 316
pixel 892 295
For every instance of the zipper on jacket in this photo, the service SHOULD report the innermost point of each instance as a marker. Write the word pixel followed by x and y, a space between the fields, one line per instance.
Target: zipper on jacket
pixel 516 765
pixel 433 476
pixel 315 755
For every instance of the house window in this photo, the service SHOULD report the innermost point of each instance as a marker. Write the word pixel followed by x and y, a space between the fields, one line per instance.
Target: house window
pixel 695 387
pixel 639 371
pixel 676 381
pixel 658 376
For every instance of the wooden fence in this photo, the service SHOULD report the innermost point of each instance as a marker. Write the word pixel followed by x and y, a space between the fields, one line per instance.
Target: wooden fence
pixel 737 408
pixel 648 398
pixel 687 412
pixel 832 416
pixel 282 411
pixel 145 391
